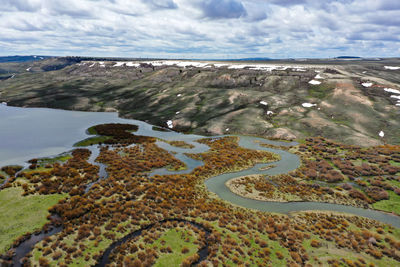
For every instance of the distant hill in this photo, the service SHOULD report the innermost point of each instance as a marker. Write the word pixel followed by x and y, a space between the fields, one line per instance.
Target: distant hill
pixel 254 59
pixel 347 57
pixel 21 58
pixel 247 59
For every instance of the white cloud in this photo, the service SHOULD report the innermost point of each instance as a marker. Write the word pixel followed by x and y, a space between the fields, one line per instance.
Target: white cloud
pixel 200 29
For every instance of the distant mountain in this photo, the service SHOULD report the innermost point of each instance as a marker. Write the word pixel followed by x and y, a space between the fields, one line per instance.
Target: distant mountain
pixel 21 58
pixel 347 57
pixel 249 59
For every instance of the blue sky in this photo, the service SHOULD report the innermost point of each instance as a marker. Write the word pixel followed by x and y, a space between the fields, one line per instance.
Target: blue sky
pixel 201 28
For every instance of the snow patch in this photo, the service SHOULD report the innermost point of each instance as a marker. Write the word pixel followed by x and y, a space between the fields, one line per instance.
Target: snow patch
pixel 131 64
pixel 92 65
pixel 119 64
pixel 185 64
pixel 381 134
pixel 269 112
pixel 314 82
pixel 367 84
pixel 390 90
pixel 177 112
pixel 170 124
pixel 308 105
pixel 3 103
pixel 227 129
pixel 392 68
pixel 395 96
pixel 318 77
pixel 29 69
pixel 179 95
pixel 263 103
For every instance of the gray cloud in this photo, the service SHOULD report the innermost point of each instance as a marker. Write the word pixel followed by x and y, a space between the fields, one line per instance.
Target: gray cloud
pixel 389 5
pixel 218 9
pixel 161 4
pixel 20 5
pixel 287 2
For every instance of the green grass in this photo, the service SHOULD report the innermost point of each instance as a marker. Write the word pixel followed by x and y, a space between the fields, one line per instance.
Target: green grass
pixel 394 183
pixel 320 91
pixel 390 205
pixel 3 176
pixel 92 130
pixel 328 250
pixel 394 163
pixel 92 141
pixel 90 249
pixel 60 158
pixel 173 238
pixel 39 169
pixel 19 215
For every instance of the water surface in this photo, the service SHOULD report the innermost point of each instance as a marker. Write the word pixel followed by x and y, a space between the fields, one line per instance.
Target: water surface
pixel 40 132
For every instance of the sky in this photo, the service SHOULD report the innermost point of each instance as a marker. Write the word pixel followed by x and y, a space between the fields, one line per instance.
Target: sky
pixel 201 29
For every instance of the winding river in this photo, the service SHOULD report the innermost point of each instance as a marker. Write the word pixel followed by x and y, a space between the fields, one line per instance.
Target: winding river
pixel 202 252
pixel 41 132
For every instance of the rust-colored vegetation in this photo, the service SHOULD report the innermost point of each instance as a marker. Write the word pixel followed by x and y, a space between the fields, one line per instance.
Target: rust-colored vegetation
pixel 129 200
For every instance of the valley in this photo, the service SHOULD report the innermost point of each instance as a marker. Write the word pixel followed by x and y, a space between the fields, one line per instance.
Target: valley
pixel 207 164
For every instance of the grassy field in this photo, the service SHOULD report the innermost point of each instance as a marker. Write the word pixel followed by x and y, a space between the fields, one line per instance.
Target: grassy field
pixel 20 215
pixel 91 141
pixel 173 238
pixel 390 205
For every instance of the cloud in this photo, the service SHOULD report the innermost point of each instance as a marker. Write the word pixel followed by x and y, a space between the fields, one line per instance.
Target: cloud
pixel 389 5
pixel 201 28
pixel 287 2
pixel 20 5
pixel 161 4
pixel 222 9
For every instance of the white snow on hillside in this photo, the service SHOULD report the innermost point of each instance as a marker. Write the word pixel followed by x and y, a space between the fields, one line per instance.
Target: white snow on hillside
pixel 367 84
pixel 308 105
pixel 390 90
pixel 314 82
pixel 392 68
pixel 170 124
pixel 131 64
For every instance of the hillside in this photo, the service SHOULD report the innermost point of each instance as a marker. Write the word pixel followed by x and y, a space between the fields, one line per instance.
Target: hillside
pixel 346 100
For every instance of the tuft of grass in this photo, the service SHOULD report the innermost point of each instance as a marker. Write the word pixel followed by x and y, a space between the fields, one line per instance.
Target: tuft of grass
pixel 92 141
pixel 173 238
pixel 320 91
pixel 22 214
pixel 39 169
pixel 390 205
pixel 92 130
pixel 60 158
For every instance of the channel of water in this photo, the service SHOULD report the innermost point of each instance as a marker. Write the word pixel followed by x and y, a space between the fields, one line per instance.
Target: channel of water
pixel 51 132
